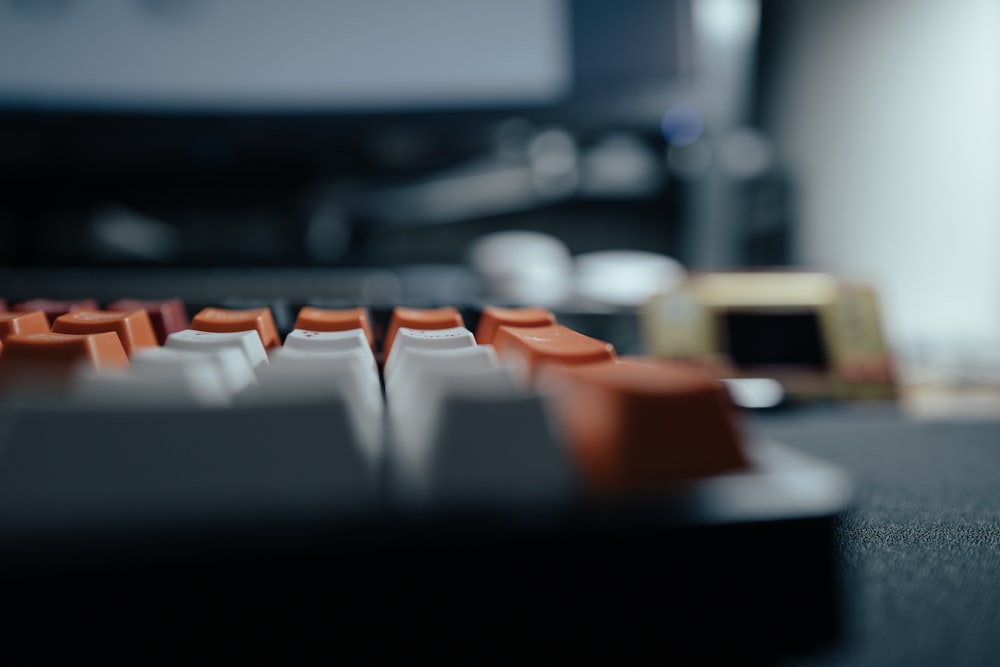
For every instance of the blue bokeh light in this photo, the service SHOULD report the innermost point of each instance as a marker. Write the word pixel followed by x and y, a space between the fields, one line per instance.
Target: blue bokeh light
pixel 681 125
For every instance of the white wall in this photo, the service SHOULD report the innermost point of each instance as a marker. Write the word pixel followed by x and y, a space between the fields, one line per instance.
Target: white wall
pixel 889 116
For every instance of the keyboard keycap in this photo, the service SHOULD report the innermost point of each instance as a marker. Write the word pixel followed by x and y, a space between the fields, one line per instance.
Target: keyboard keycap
pixel 101 350
pixel 324 319
pixel 342 386
pixel 146 466
pixel 419 318
pixel 493 443
pixel 640 426
pixel 46 361
pixel 465 433
pixel 527 350
pixel 222 320
pixel 353 369
pixel 405 385
pixel 280 310
pixel 304 340
pixel 229 363
pixel 167 316
pixel 134 328
pixel 494 317
pixel 426 339
pixel 53 308
pixel 175 383
pixel 23 323
pixel 248 342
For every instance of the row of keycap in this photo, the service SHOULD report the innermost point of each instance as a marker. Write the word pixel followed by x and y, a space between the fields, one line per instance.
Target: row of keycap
pixel 465 415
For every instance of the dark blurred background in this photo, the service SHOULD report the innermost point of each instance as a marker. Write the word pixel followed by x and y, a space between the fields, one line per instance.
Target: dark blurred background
pixel 212 148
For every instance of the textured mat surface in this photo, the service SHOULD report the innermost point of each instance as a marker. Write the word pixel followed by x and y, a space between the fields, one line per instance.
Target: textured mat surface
pixel 921 548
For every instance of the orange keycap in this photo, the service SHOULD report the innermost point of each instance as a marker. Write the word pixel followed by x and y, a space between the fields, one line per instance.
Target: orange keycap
pixel 168 315
pixel 420 318
pixel 54 308
pixel 493 317
pixel 530 349
pixel 223 320
pixel 134 328
pixel 638 427
pixel 46 360
pixel 23 323
pixel 326 319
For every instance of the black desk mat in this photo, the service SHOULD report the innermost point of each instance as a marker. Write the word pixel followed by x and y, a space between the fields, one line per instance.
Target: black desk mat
pixel 920 550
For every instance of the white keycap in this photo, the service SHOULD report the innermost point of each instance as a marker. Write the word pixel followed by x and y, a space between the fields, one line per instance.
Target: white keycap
pixel 353 370
pixel 159 375
pixel 100 466
pixel 404 389
pixel 328 342
pixel 493 444
pixel 247 341
pixel 413 413
pixel 230 362
pixel 348 378
pixel 425 339
pixel 171 385
pixel 465 432
pixel 304 340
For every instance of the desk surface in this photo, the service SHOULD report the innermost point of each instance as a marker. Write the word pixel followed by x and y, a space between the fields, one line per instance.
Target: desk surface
pixel 921 547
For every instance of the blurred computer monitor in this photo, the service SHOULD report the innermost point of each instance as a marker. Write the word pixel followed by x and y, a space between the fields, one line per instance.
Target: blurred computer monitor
pixel 238 122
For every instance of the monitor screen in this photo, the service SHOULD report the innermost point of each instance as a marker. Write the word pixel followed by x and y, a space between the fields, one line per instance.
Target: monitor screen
pixel 786 338
pixel 322 55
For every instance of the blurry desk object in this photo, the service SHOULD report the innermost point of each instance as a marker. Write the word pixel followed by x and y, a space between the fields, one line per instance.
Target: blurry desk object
pixel 958 381
pixel 819 335
pixel 943 401
pixel 921 550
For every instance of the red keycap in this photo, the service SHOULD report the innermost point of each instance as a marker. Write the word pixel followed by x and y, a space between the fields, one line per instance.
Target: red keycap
pixel 168 315
pixel 133 328
pixel 54 308
pixel 635 426
pixel 223 320
pixel 494 317
pixel 530 349
pixel 420 318
pixel 325 319
pixel 23 323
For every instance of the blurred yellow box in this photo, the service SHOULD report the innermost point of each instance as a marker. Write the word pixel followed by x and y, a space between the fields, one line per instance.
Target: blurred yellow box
pixel 819 336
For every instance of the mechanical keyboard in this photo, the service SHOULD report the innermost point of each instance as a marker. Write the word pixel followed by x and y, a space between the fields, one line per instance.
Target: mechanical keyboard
pixel 363 481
